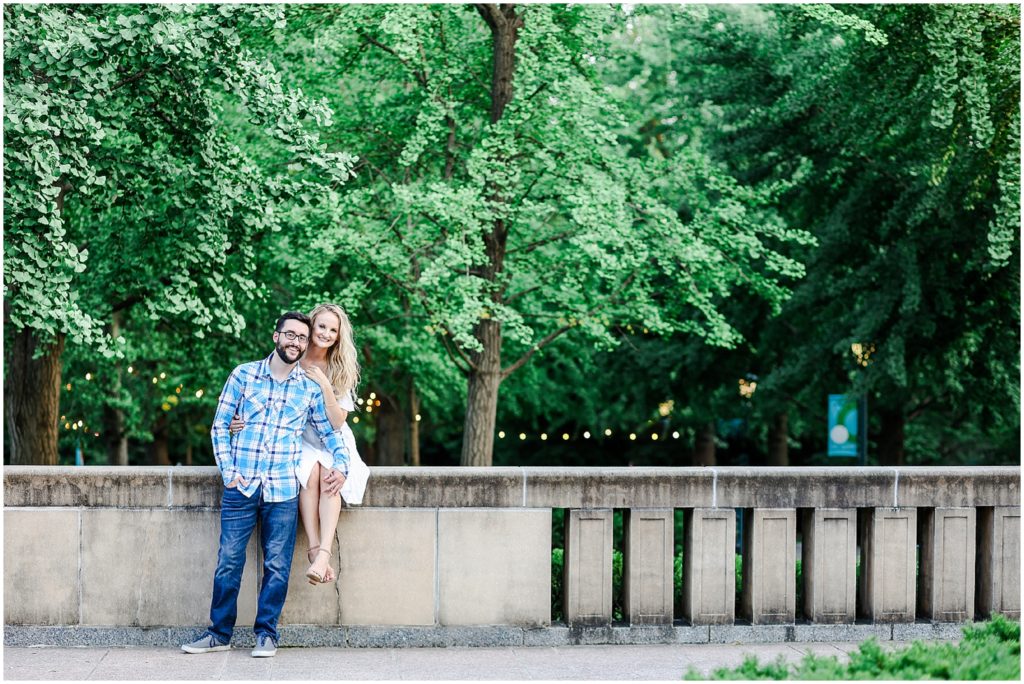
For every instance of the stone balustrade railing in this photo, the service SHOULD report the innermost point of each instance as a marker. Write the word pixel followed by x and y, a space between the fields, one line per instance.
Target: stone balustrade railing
pixel 438 556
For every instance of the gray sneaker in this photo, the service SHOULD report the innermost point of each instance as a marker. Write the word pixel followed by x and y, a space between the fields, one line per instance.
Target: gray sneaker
pixel 205 644
pixel 265 647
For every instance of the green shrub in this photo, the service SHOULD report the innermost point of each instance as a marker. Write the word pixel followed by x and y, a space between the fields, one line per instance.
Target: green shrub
pixel 989 650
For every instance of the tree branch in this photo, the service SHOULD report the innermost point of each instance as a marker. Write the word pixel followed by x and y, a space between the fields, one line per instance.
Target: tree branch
pixel 554 335
pixel 419 75
pixel 130 79
pixel 543 241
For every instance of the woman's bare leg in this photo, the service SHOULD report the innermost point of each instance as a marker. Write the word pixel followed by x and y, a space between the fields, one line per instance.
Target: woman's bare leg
pixel 330 509
pixel 309 510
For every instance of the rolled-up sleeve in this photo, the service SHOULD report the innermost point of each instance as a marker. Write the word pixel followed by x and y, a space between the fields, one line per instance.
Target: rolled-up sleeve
pixel 220 433
pixel 330 437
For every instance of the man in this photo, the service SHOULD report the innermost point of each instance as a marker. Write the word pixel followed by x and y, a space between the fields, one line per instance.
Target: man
pixel 276 398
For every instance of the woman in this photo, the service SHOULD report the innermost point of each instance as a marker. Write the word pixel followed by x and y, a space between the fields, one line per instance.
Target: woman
pixel 330 360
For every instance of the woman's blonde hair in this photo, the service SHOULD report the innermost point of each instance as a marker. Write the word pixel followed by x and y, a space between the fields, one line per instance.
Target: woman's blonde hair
pixel 342 366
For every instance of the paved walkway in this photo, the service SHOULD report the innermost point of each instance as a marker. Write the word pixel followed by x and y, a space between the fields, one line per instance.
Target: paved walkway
pixel 653 662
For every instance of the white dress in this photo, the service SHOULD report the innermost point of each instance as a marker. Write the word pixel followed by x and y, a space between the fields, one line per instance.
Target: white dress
pixel 313 451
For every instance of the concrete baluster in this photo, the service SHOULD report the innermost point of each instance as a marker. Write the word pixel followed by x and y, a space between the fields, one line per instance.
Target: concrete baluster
pixel 888 564
pixel 998 573
pixel 709 566
pixel 948 539
pixel 587 583
pixel 647 572
pixel 830 565
pixel 769 566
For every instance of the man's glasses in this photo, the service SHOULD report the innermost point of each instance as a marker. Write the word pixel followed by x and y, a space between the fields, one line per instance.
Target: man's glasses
pixel 292 337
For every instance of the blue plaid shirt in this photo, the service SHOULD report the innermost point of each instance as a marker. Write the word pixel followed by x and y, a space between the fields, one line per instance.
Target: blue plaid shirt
pixel 268 448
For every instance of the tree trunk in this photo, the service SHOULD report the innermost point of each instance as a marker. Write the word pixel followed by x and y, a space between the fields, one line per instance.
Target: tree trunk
pixel 32 399
pixel 390 439
pixel 114 435
pixel 158 450
pixel 890 440
pixel 778 440
pixel 482 399
pixel 414 426
pixel 485 375
pixel 704 445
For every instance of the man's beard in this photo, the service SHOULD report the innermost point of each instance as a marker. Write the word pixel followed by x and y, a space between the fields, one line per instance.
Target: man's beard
pixel 282 354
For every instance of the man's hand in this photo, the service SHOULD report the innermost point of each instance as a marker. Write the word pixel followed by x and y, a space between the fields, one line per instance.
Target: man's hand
pixel 236 425
pixel 334 480
pixel 239 481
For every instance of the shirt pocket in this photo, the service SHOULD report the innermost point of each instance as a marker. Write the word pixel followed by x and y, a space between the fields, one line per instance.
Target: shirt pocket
pixel 255 407
pixel 294 415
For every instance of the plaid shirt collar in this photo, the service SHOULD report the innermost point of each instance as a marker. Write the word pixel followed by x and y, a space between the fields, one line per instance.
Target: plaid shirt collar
pixel 263 371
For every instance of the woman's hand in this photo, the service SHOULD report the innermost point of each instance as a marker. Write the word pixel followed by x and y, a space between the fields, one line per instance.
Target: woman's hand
pixel 236 425
pixel 320 378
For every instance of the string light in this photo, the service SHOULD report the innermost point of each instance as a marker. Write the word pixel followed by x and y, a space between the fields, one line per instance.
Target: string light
pixel 543 436
pixel 130 370
pixel 675 435
pixel 359 401
pixel 373 395
pixel 163 376
pixel 501 434
pixel 522 436
pixel 355 419
pixel 632 436
pixel 88 376
pixel 608 432
pixel 418 417
pixel 199 394
pixel 68 387
pixel 377 403
pixel 654 436
pixel 586 435
pixel 565 436
pixel 154 380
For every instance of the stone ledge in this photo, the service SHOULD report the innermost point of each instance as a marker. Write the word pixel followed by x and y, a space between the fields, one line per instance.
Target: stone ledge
pixel 535 487
pixel 483 636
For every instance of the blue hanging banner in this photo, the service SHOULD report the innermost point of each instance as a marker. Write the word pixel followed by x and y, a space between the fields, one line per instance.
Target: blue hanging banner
pixel 844 426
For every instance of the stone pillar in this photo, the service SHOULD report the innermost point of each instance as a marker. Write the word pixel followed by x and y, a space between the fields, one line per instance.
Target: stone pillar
pixel 947 537
pixel 647 566
pixel 999 561
pixel 769 566
pixel 709 566
pixel 587 582
pixel 830 565
pixel 888 564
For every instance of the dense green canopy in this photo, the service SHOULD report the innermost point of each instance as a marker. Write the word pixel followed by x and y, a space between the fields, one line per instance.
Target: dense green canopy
pixel 685 224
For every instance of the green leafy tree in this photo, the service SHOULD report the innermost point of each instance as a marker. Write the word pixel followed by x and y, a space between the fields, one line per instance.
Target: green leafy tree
pixel 495 200
pixel 909 119
pixel 123 195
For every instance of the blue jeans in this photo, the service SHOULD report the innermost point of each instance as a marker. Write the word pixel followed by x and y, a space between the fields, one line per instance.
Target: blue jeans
pixel 238 516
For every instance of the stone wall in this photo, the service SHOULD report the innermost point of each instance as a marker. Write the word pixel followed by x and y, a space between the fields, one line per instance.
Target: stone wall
pixel 437 550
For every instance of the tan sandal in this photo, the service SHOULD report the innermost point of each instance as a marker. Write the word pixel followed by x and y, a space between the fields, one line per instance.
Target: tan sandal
pixel 312 575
